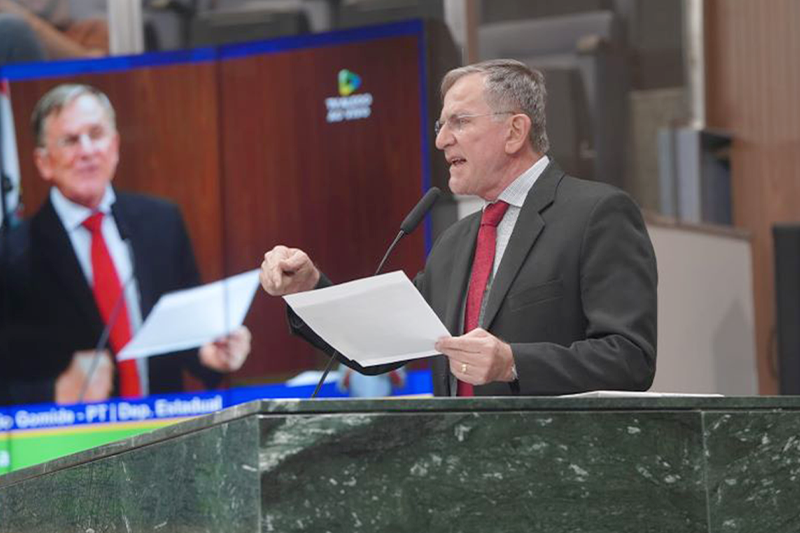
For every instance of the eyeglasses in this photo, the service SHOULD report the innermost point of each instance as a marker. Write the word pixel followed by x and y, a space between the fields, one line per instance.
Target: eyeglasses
pixel 94 136
pixel 457 122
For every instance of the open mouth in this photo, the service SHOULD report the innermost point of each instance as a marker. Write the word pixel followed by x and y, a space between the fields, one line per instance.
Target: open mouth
pixel 458 161
pixel 87 169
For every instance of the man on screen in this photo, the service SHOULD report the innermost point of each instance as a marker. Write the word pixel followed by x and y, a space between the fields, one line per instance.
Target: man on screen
pixel 93 256
pixel 552 288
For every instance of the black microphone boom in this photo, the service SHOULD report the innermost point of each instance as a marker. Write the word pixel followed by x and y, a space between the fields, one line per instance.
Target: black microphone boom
pixel 420 210
pixel 409 224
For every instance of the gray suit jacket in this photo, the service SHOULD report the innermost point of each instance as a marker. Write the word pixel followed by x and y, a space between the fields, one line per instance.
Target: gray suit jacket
pixel 574 295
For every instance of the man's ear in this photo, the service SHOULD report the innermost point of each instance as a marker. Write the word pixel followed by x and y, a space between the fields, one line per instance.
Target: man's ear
pixel 115 149
pixel 518 133
pixel 42 161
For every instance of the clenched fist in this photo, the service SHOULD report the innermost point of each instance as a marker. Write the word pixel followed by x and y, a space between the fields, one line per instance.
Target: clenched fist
pixel 287 271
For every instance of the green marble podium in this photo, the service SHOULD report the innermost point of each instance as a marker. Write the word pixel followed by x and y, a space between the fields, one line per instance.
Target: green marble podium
pixel 430 465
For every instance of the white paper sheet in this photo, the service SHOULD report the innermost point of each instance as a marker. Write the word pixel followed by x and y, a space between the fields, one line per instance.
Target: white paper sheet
pixel 187 319
pixel 372 321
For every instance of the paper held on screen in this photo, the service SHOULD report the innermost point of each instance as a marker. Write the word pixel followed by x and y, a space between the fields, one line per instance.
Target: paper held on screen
pixel 190 318
pixel 376 320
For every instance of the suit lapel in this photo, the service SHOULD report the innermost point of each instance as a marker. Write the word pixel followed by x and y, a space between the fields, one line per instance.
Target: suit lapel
pixel 527 229
pixel 461 269
pixel 59 257
pixel 125 215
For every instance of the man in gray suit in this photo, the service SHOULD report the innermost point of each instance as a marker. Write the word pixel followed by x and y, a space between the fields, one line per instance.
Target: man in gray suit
pixel 558 273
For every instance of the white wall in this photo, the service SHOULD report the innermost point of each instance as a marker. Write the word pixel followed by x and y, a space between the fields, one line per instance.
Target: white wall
pixel 706 324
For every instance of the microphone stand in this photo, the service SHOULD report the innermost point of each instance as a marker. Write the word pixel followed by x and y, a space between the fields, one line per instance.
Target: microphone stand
pixel 101 343
pixel 328 367
pixel 122 229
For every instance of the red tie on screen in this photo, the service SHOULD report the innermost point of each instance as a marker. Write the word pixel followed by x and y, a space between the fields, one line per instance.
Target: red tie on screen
pixel 107 289
pixel 481 268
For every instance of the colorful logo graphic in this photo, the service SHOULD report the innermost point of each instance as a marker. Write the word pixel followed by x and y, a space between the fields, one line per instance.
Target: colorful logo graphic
pixel 348 106
pixel 349 82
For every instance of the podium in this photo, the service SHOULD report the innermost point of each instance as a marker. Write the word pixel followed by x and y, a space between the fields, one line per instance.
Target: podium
pixel 481 464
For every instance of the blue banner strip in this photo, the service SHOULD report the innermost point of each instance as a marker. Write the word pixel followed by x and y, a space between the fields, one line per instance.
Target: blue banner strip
pixel 70 67
pixel 50 416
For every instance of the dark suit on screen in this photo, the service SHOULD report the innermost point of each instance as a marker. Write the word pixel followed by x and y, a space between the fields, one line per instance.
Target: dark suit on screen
pixel 574 294
pixel 50 312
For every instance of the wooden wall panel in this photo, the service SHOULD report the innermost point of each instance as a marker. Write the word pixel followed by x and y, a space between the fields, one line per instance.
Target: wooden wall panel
pixel 337 190
pixel 752 88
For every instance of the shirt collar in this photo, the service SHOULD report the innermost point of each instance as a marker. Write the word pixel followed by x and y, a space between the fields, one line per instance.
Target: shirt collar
pixel 518 190
pixel 71 214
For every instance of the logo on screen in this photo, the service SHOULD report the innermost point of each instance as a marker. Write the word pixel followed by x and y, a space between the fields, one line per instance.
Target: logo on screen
pixel 348 106
pixel 348 82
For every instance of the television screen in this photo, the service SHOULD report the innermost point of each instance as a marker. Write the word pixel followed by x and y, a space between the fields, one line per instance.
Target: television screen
pixel 318 142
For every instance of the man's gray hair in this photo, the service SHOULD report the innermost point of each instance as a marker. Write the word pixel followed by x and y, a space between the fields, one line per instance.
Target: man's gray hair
pixel 510 86
pixel 61 96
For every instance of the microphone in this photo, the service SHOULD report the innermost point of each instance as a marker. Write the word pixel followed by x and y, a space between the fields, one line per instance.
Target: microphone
pixel 409 224
pixel 122 227
pixel 420 210
pixel 412 220
pixel 125 234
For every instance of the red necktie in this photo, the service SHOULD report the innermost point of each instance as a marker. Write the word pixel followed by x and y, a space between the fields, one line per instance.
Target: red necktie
pixel 481 268
pixel 107 290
